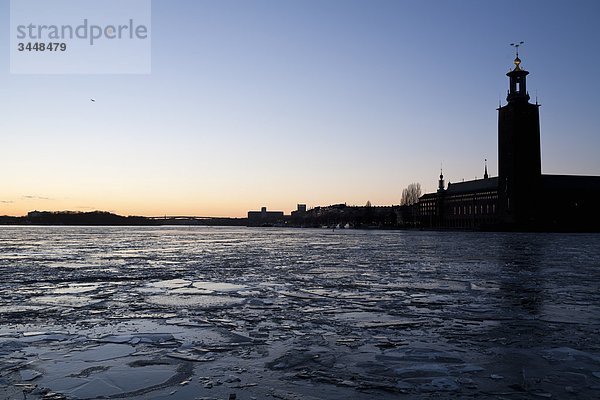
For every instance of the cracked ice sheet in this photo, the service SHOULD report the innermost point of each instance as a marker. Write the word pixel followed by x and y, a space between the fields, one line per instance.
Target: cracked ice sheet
pixel 298 313
pixel 105 379
pixel 94 364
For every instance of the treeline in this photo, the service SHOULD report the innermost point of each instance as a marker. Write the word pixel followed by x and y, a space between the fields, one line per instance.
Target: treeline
pixel 93 218
pixel 4 220
pixel 103 218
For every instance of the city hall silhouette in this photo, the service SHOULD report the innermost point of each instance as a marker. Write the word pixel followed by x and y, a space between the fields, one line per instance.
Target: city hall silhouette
pixel 520 197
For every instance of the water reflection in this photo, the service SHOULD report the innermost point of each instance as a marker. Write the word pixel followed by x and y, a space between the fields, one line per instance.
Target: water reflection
pixel 522 284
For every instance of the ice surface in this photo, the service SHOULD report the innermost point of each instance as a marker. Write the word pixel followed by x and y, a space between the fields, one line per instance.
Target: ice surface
pixel 219 286
pixel 75 288
pixel 207 313
pixel 207 301
pixel 103 352
pixel 190 290
pixel 29 374
pixel 65 301
pixel 171 284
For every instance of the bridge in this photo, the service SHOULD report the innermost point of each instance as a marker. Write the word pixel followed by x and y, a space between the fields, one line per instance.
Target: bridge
pixel 197 220
pixel 186 217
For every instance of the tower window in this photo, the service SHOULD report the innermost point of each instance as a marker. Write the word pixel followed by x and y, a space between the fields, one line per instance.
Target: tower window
pixel 518 86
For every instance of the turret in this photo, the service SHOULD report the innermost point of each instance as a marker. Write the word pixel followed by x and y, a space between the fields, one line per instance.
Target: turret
pixel 441 185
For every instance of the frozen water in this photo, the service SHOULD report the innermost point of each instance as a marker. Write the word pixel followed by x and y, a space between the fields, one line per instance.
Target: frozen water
pixel 219 286
pixel 75 288
pixel 182 313
pixel 191 290
pixel 65 301
pixel 171 284
pixel 177 300
pixel 104 352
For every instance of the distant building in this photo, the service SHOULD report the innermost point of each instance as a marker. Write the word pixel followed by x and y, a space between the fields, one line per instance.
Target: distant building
pixel 520 197
pixel 344 216
pixel 265 218
pixel 299 216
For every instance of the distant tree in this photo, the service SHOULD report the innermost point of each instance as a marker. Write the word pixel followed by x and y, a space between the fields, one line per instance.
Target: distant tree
pixel 411 194
pixel 368 203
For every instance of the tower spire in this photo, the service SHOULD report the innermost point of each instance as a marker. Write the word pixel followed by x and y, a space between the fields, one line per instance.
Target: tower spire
pixel 518 85
pixel 485 174
pixel 517 59
pixel 441 184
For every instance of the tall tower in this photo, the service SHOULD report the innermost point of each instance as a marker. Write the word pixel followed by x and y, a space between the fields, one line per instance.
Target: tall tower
pixel 519 157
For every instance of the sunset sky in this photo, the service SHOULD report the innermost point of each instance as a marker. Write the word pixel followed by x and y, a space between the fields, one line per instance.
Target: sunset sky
pixel 274 103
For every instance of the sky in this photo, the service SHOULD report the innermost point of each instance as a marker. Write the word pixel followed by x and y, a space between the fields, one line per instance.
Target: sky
pixel 274 103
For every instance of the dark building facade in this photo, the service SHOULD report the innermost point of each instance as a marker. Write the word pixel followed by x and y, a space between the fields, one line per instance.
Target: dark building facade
pixel 344 216
pixel 465 205
pixel 265 218
pixel 520 197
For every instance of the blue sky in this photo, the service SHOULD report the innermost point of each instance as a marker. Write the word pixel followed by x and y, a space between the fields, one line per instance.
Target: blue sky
pixel 274 103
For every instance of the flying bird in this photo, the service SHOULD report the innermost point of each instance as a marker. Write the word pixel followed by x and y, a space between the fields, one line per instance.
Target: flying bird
pixel 93 100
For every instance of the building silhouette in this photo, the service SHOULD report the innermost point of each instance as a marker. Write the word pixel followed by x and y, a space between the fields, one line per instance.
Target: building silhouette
pixel 265 218
pixel 520 197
